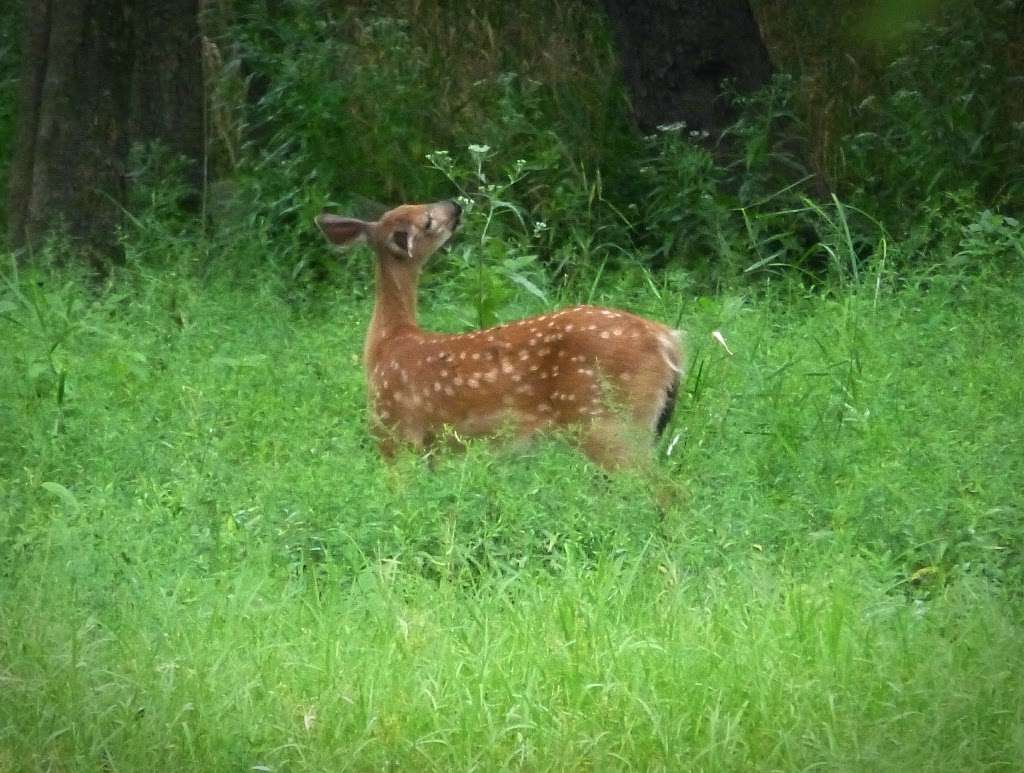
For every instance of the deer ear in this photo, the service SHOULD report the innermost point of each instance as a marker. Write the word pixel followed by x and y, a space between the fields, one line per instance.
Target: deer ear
pixel 344 231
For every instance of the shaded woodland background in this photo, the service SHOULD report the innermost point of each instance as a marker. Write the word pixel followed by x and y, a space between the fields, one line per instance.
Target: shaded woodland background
pixel 725 140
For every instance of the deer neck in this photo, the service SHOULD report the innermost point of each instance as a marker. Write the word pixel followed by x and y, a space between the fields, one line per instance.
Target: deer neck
pixel 394 309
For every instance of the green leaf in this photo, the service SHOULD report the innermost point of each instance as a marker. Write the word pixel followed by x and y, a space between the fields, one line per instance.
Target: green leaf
pixel 61 492
pixel 529 286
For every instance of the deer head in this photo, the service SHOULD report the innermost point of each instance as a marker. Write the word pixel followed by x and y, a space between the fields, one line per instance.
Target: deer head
pixel 407 235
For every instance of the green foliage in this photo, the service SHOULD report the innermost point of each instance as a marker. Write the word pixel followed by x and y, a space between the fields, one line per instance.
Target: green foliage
pixel 883 126
pixel 346 100
pixel 208 567
pixel 688 210
pixel 51 317
pixel 907 103
pixel 941 117
pixel 204 565
pixel 991 241
pixel 490 255
pixel 160 229
pixel 352 106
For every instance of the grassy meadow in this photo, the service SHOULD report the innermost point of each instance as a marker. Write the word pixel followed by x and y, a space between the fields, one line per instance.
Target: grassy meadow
pixel 205 566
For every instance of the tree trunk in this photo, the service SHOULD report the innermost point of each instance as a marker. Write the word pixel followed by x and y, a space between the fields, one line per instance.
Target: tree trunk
pixel 676 53
pixel 167 81
pixel 98 75
pixel 68 166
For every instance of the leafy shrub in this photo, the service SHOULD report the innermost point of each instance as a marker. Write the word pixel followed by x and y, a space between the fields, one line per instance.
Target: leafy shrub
pixel 992 241
pixel 941 115
pixel 493 252
pixel 346 99
pixel 762 213
pixel 907 103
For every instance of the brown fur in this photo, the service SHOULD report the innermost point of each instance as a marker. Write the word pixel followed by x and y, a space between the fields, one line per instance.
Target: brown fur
pixel 610 373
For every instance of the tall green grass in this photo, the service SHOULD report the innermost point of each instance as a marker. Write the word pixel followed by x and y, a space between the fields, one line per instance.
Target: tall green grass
pixel 205 566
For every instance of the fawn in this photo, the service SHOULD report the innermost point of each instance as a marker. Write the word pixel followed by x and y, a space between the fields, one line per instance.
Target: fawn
pixel 611 374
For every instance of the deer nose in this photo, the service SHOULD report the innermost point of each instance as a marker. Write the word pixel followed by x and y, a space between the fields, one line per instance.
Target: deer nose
pixel 456 209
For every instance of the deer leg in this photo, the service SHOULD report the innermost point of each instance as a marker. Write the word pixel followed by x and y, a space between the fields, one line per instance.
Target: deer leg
pixel 611 443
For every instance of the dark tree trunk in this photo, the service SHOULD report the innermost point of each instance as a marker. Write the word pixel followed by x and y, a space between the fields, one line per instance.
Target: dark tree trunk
pixel 68 166
pixel 675 54
pixel 167 83
pixel 98 75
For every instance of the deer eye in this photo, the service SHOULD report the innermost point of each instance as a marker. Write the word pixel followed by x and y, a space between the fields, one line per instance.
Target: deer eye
pixel 430 222
pixel 401 240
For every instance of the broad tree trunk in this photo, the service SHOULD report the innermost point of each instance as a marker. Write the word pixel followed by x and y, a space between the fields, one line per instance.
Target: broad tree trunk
pixel 98 75
pixel 675 54
pixel 68 165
